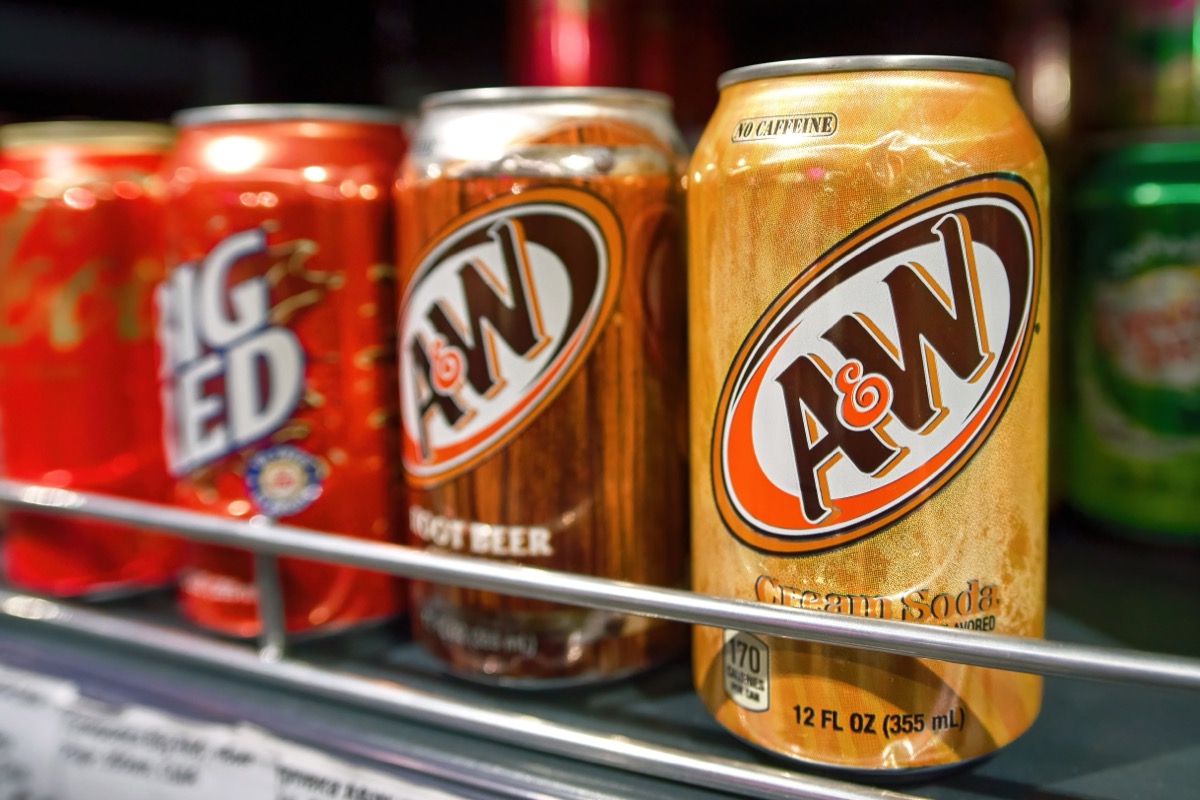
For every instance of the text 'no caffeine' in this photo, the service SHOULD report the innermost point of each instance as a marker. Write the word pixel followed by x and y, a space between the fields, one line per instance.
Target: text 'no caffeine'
pixel 758 128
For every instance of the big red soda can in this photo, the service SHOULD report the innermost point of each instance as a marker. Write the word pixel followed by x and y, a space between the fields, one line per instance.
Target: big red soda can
pixel 541 364
pixel 868 363
pixel 277 327
pixel 80 253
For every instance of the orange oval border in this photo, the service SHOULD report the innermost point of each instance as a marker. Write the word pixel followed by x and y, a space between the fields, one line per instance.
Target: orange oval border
pixel 602 214
pixel 1007 184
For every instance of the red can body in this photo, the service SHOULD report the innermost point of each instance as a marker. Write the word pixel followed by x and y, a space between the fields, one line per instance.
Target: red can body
pixel 276 323
pixel 80 252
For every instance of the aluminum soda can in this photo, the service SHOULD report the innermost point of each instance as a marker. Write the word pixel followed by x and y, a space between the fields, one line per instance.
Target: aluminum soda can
pixel 1135 339
pixel 80 253
pixel 868 366
pixel 542 369
pixel 277 324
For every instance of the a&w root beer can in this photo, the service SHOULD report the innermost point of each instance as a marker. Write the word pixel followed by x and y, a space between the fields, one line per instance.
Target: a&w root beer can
pixel 542 394
pixel 277 330
pixel 868 398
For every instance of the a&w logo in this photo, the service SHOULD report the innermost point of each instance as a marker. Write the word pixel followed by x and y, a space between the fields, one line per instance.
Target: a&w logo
pixel 877 373
pixel 498 315
pixel 230 377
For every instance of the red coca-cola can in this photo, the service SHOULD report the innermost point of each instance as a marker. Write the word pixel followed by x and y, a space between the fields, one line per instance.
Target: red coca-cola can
pixel 81 250
pixel 277 329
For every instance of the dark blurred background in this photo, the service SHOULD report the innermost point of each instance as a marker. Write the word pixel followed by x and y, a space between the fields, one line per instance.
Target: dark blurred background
pixel 130 59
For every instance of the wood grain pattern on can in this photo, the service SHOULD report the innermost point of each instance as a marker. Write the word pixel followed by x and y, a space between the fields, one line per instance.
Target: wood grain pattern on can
pixel 543 401
pixel 868 404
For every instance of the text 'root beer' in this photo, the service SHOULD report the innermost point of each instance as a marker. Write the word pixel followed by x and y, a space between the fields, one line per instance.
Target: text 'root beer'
pixel 868 398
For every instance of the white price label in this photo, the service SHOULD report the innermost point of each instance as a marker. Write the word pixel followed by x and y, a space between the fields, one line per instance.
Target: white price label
pixel 56 745
pixel 30 717
pixel 146 754
pixel 306 774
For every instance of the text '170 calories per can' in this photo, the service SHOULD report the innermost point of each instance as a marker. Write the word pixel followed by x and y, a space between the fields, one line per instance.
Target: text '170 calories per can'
pixel 542 369
pixel 277 330
pixel 868 398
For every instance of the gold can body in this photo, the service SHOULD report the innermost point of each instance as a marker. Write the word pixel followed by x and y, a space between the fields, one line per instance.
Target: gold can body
pixel 868 366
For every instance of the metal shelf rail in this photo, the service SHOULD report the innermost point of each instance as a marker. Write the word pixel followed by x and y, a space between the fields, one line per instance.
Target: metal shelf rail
pixel 268 540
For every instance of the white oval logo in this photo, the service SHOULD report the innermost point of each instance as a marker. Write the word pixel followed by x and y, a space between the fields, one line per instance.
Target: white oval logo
pixel 498 315
pixel 875 375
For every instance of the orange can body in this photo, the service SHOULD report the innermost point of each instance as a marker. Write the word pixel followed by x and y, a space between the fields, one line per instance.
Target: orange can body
pixel 277 329
pixel 869 398
pixel 542 370
pixel 80 252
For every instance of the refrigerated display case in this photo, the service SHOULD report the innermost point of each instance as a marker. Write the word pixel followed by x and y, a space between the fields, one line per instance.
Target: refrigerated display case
pixel 127 700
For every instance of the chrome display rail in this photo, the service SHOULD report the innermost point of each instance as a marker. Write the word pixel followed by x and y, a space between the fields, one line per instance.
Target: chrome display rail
pixel 269 540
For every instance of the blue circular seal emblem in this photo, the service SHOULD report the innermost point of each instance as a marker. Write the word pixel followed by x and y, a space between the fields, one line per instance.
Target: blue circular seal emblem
pixel 283 480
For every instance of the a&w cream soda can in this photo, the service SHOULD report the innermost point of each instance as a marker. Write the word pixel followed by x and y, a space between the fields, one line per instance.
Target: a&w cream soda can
pixel 868 362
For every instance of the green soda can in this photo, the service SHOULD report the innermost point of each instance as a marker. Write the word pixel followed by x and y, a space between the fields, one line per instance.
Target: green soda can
pixel 1135 431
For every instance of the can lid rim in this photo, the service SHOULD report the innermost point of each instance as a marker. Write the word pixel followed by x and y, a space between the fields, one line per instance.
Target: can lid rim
pixel 281 112
pixel 109 134
pixel 542 94
pixel 810 66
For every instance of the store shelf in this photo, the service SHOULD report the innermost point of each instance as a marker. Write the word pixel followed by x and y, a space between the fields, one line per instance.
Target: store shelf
pixel 374 697
pixel 269 539
pixel 121 676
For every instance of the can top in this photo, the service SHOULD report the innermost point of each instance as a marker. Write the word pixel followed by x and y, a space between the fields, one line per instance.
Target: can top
pixel 811 66
pixel 280 112
pixel 98 133
pixel 502 95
